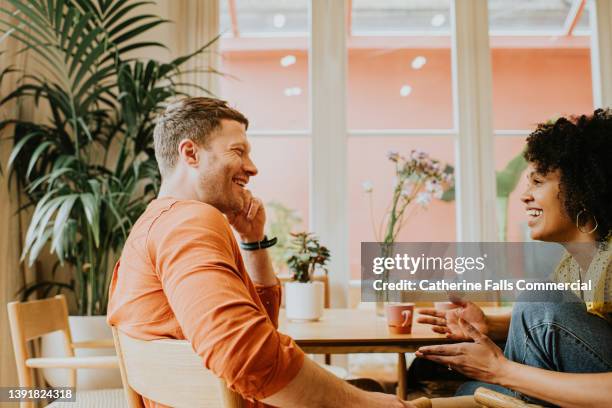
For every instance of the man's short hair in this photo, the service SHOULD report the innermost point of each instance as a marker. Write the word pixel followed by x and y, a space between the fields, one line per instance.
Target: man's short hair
pixel 190 118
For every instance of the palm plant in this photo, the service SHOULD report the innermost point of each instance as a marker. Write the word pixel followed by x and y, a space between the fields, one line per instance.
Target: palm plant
pixel 88 170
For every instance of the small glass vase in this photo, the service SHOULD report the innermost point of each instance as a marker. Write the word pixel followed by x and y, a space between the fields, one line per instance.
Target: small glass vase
pixel 382 297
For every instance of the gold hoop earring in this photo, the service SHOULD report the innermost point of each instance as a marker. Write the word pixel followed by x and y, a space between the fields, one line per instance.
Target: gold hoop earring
pixel 578 223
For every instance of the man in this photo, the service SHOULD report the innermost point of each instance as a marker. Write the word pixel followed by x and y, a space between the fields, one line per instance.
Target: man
pixel 181 274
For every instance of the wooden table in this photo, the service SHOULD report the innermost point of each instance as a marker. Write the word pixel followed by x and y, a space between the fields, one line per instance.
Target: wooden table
pixel 344 331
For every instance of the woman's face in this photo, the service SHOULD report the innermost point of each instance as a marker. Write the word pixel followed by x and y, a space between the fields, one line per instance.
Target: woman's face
pixel 547 218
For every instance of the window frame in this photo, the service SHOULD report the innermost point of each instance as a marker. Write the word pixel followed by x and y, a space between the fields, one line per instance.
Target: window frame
pixel 472 110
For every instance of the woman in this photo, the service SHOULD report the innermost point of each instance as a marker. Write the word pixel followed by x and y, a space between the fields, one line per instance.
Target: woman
pixel 560 352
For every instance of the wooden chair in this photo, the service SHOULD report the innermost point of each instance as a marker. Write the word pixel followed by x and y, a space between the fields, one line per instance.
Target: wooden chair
pixel 31 320
pixel 493 399
pixel 145 367
pixel 483 397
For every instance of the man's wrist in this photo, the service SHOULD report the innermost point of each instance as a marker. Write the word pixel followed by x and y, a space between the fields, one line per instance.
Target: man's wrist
pixel 248 239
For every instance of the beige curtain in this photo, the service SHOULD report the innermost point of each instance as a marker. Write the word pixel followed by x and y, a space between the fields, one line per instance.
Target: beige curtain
pixel 195 23
pixel 12 273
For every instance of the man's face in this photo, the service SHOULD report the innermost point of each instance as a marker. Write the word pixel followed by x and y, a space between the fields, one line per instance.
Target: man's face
pixel 225 168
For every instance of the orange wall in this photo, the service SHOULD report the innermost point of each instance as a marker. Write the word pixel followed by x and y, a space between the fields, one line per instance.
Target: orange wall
pixel 529 85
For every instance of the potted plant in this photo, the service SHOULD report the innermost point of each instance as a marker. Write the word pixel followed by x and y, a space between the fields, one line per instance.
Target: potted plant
pixel 304 297
pixel 88 169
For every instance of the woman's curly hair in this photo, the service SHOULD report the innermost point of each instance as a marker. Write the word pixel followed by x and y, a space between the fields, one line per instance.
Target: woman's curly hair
pixel 581 148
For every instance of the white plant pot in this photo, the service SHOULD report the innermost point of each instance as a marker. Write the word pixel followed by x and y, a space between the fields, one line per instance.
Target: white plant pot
pixel 304 301
pixel 83 328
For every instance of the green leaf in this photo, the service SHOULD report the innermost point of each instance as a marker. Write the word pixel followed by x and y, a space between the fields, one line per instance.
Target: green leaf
pixel 36 155
pixel 139 30
pixel 40 221
pixel 92 214
pixel 19 146
pixel 129 22
pixel 116 12
pixel 38 245
pixel 60 221
pixel 86 43
pixel 508 178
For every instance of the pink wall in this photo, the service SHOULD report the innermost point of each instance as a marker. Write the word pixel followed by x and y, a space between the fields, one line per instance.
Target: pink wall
pixel 533 85
pixel 374 81
pixel 529 85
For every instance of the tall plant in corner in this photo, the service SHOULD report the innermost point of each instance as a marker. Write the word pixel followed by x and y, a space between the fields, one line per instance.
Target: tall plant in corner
pixel 88 169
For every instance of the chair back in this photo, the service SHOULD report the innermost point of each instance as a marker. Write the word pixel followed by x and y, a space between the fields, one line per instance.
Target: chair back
pixel 169 372
pixel 493 399
pixel 29 321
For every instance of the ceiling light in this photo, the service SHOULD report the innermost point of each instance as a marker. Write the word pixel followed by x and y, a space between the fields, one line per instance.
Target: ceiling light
pixel 405 90
pixel 418 62
pixel 438 20
pixel 287 60
pixel 293 91
pixel 279 20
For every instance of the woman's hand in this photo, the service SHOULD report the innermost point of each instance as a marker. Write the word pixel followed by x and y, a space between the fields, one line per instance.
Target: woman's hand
pixel 481 360
pixel 447 321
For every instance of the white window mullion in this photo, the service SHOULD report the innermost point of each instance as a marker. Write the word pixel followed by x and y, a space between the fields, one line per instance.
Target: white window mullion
pixel 328 180
pixel 601 53
pixel 472 99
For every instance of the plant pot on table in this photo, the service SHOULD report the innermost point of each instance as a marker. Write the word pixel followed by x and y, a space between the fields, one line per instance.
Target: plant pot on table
pixel 304 301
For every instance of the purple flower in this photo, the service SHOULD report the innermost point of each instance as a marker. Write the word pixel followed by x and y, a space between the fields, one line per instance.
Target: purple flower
pixel 393 156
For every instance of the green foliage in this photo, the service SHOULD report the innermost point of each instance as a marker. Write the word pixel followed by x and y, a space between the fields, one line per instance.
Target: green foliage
pixel 304 254
pixel 506 181
pixel 282 222
pixel 88 169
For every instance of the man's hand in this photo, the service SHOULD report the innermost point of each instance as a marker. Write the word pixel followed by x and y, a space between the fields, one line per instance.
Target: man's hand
pixel 447 321
pixel 250 222
pixel 481 360
pixel 385 401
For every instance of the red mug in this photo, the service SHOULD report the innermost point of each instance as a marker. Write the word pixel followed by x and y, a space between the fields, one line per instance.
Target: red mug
pixel 399 317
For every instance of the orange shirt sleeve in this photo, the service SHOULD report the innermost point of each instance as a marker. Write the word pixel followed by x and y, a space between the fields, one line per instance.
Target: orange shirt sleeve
pixel 270 296
pixel 213 301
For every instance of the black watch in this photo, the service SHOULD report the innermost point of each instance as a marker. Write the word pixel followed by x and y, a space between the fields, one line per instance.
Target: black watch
pixel 263 244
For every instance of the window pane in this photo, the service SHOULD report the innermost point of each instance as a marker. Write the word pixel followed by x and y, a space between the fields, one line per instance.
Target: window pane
pixel 539 76
pixel 282 183
pixel 282 177
pixel 540 17
pixel 390 17
pixel 368 162
pixel 399 71
pixel 266 17
pixel 265 67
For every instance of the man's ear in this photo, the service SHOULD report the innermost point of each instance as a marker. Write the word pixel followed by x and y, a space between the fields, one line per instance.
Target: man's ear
pixel 188 152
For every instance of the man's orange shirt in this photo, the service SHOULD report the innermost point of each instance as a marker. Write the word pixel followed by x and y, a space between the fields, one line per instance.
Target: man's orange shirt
pixel 181 276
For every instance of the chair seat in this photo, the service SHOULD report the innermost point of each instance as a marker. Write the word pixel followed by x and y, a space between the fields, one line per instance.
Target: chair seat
pixel 111 398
